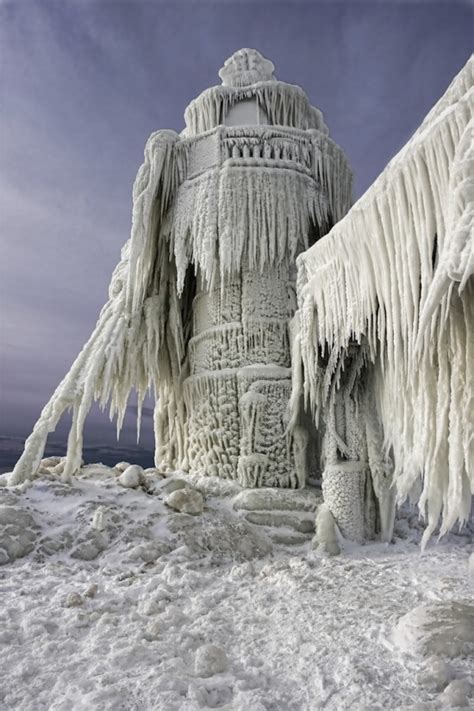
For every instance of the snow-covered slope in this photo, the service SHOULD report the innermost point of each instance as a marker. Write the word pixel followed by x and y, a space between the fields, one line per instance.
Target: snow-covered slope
pixel 118 601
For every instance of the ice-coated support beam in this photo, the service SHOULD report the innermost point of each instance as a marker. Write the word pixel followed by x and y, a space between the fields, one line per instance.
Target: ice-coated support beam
pixel 347 492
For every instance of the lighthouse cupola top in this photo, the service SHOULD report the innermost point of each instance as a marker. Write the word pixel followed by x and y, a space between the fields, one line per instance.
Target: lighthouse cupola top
pixel 246 67
pixel 248 75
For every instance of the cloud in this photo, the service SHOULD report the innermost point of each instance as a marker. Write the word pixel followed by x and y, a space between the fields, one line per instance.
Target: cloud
pixel 84 84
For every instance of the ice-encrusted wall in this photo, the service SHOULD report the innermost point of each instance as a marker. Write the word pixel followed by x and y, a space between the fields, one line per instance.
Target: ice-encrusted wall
pixel 239 382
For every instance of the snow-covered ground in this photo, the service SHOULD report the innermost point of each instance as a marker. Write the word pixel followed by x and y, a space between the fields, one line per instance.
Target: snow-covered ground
pixel 117 601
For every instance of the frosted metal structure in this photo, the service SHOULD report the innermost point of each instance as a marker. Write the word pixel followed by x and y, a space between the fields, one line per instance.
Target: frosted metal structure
pixel 385 338
pixel 201 300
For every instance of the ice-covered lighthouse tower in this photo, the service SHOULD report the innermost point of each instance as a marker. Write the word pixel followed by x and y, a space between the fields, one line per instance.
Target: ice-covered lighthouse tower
pixel 201 302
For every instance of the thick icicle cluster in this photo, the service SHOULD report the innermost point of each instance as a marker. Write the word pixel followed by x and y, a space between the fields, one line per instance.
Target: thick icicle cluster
pixel 130 346
pixel 396 275
pixel 284 105
pixel 253 193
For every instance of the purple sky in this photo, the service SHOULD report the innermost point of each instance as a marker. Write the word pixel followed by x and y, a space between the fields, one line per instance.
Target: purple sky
pixel 83 84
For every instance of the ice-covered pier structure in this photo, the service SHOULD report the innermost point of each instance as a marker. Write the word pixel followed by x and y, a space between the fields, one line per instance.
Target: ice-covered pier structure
pixel 384 351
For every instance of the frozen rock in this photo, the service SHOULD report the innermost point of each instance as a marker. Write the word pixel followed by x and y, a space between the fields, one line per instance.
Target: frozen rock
pixel 325 539
pixel 210 660
pixel 121 466
pixel 215 696
pixel 277 499
pixel 149 552
pixel 225 538
pixel 456 695
pixel 436 674
pixel 213 485
pixel 90 547
pixel 277 519
pixel 59 541
pixel 152 631
pixel 99 519
pixel 170 485
pixel 445 628
pixel 152 483
pixel 17 533
pixel 91 590
pixel 73 599
pixel 99 469
pixel 59 467
pixel 16 517
pixel 151 606
pixel 86 551
pixel 186 501
pixel 131 477
pixel 287 538
pixel 49 462
pixel 153 471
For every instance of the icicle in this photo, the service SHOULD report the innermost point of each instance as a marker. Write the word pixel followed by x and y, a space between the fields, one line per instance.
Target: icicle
pixel 284 105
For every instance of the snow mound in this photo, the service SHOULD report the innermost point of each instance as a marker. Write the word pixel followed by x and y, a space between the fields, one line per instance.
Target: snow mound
pixel 456 695
pixel 440 628
pixel 265 499
pixel 131 477
pixel 221 536
pixel 436 675
pixel 132 517
pixel 186 501
pixel 210 660
pixel 18 532
pixel 325 539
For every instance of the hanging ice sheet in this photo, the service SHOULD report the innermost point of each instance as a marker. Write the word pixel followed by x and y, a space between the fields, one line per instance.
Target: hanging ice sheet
pixel 397 272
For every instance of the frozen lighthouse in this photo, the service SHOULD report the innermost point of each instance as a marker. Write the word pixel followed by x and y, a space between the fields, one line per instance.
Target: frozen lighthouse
pixel 286 335
pixel 263 182
pixel 201 301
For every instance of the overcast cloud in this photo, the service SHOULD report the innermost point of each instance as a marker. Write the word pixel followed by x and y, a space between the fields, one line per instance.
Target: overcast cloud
pixel 83 84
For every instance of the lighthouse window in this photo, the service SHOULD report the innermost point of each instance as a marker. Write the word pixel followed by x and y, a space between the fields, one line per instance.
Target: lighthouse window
pixel 245 113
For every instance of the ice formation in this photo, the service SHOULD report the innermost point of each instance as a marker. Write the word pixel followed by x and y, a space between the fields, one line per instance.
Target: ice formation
pixel 384 333
pixel 201 300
